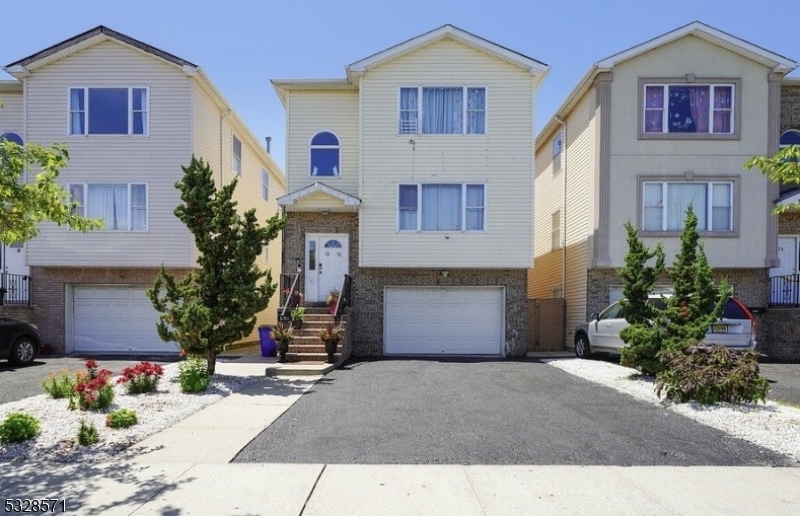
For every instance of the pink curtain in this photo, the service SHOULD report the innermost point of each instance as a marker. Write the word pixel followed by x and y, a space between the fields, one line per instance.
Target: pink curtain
pixel 654 109
pixel 722 109
pixel 698 104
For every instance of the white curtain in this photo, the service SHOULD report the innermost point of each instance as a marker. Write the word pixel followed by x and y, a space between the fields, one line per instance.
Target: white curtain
pixel 408 110
pixel 442 110
pixel 653 206
pixel 476 111
pixel 139 111
pixel 441 207
pixel 77 112
pixel 721 207
pixel 109 202
pixel 679 197
pixel 138 207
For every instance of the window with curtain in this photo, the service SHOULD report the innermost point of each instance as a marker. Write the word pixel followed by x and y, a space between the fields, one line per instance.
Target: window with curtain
pixel 237 156
pixel 441 207
pixel 325 157
pixel 665 204
pixel 108 111
pixel 557 143
pixel 688 108
pixel 442 110
pixel 264 185
pixel 122 207
pixel 555 231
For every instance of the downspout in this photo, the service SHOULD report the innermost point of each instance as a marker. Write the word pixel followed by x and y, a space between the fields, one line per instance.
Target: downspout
pixel 563 158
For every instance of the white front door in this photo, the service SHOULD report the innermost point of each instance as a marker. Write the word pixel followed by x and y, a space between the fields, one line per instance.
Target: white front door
pixel 785 290
pixel 787 252
pixel 326 264
pixel 14 259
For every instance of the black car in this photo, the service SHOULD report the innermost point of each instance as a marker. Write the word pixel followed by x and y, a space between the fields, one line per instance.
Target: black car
pixel 19 341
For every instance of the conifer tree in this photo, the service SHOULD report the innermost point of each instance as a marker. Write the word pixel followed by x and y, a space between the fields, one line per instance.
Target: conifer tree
pixel 216 305
pixel 643 336
pixel 696 302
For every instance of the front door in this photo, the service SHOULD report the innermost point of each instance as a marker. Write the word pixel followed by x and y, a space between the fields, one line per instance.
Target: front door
pixel 326 264
pixel 14 259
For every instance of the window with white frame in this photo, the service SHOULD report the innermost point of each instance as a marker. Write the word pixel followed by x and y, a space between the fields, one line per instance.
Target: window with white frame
pixel 264 185
pixel 555 231
pixel 665 204
pixel 325 155
pixel 109 111
pixel 689 108
pixel 121 206
pixel 237 156
pixel 442 110
pixel 441 207
pixel 557 143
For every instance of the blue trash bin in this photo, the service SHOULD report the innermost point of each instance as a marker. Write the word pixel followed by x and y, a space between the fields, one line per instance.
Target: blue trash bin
pixel 268 344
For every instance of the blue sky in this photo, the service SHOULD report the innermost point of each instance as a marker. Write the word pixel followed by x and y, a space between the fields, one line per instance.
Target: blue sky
pixel 242 44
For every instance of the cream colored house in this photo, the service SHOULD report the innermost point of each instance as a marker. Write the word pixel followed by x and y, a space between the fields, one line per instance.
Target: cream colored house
pixel 131 115
pixel 644 133
pixel 414 176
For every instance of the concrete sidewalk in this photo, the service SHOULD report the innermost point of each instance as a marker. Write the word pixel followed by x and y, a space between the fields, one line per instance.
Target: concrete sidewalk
pixel 185 470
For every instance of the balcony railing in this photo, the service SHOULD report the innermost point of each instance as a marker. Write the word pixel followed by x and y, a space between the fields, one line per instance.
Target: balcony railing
pixel 14 290
pixel 785 291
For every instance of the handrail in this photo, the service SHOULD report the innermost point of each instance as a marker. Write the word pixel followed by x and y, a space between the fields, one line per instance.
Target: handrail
pixel 344 298
pixel 784 291
pixel 289 297
pixel 15 289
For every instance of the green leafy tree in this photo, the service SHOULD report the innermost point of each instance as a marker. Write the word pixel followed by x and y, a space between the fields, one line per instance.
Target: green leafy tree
pixel 696 302
pixel 24 205
pixel 782 167
pixel 216 305
pixel 643 336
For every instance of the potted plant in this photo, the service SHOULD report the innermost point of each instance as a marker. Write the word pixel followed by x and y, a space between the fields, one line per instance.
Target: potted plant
pixel 282 334
pixel 330 336
pixel 333 301
pixel 297 317
pixel 294 298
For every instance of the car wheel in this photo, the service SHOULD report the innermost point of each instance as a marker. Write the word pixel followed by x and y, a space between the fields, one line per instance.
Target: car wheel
pixel 582 349
pixel 23 351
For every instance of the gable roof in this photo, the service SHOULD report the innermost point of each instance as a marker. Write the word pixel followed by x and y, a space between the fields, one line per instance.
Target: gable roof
pixel 532 66
pixel 776 62
pixel 350 203
pixel 82 41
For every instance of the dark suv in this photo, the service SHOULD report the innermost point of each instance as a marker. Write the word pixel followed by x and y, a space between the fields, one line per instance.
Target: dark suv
pixel 19 341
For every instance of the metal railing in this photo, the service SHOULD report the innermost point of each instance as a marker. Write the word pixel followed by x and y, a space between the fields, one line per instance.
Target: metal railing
pixel 14 290
pixel 289 296
pixel 344 298
pixel 785 291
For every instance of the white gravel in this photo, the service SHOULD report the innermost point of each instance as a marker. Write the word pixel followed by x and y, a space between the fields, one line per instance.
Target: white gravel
pixel 155 411
pixel 769 424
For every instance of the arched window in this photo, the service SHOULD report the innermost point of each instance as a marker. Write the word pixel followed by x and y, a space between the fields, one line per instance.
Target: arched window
pixel 325 155
pixel 790 137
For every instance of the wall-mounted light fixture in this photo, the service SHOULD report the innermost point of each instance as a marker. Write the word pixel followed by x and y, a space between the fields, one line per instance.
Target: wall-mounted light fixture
pixel 299 264
pixel 445 274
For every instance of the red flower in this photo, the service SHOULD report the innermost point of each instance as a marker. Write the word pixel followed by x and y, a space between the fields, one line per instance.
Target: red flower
pixel 91 364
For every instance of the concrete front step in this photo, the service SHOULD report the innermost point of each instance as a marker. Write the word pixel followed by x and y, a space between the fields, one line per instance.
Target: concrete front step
pixel 318 347
pixel 310 357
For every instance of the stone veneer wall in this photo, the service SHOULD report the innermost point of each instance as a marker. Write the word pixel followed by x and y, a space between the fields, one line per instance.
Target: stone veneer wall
pixel 300 223
pixel 48 291
pixel 789 223
pixel 368 287
pixel 779 333
pixel 790 107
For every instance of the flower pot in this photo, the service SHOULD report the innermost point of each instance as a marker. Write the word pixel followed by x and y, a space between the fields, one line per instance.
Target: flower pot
pixel 297 324
pixel 283 347
pixel 330 349
pixel 332 309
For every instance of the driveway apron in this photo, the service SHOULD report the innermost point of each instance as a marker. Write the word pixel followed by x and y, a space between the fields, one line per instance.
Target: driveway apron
pixel 486 412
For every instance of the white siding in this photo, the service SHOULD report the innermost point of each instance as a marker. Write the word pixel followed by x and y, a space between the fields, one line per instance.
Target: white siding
pixel 502 158
pixel 213 131
pixel 578 151
pixel 309 112
pixel 153 159
pixel 11 112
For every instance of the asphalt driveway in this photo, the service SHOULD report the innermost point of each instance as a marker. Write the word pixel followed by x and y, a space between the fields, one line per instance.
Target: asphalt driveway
pixel 486 412
pixel 784 381
pixel 17 383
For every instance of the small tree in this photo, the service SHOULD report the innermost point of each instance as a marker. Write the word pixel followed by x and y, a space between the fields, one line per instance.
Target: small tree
pixel 217 305
pixel 695 302
pixel 643 336
pixel 24 205
pixel 782 167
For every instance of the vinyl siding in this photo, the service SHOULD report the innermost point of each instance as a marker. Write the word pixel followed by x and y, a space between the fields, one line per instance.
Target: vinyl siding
pixel 502 159
pixel 214 131
pixel 631 157
pixel 153 159
pixel 11 113
pixel 310 112
pixel 577 163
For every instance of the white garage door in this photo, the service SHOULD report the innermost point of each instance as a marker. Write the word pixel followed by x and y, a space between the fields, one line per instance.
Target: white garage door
pixel 115 320
pixel 443 320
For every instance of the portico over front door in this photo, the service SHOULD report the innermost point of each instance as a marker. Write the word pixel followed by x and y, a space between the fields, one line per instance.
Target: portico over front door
pixel 326 264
